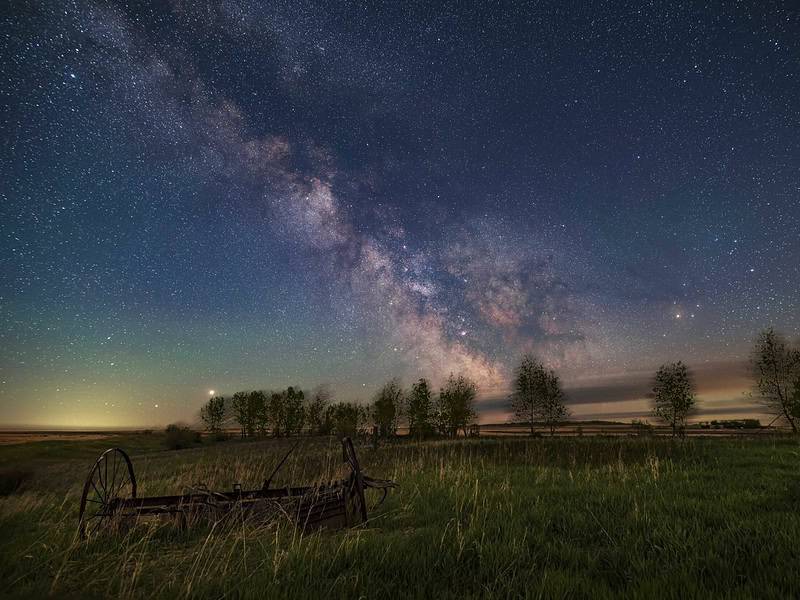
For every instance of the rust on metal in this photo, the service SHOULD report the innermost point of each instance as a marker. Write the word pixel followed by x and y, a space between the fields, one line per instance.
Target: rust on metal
pixel 109 497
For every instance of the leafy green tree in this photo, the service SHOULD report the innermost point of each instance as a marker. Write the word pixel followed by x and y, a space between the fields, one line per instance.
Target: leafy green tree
pixel 529 390
pixel 275 413
pixel 346 418
pixel 386 408
pixel 257 411
pixel 456 405
pixel 553 410
pixel 293 410
pixel 419 409
pixel 315 408
pixel 776 367
pixel 673 395
pixel 537 395
pixel 328 420
pixel 253 407
pixel 213 414
pixel 241 413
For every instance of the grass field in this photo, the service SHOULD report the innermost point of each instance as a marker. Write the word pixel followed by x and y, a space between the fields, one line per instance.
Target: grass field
pixel 563 517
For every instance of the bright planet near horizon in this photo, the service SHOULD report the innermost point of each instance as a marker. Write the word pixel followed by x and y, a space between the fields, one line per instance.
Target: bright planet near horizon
pixel 253 195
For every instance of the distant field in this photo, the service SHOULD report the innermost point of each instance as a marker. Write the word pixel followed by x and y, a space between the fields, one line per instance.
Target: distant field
pixel 545 517
pixel 25 437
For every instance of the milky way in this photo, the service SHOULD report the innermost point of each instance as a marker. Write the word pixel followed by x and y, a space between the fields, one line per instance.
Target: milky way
pixel 229 195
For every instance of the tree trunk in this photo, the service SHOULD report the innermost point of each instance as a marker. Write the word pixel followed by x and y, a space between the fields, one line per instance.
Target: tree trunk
pixel 791 421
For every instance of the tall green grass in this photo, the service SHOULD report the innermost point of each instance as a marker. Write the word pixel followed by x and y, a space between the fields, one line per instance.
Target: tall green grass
pixel 559 517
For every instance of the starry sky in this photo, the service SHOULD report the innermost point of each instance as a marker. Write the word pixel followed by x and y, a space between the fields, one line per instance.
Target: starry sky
pixel 236 195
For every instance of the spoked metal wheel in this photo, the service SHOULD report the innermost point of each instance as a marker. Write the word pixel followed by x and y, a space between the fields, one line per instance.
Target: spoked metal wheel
pixel 110 480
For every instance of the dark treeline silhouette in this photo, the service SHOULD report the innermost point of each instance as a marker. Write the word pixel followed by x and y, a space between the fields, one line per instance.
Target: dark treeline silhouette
pixel 290 412
pixel 537 400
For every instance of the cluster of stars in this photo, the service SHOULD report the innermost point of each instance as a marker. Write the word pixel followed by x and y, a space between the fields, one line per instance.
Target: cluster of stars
pixel 253 194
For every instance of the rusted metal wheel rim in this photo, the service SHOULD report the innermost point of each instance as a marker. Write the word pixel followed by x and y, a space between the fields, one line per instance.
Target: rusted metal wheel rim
pixel 110 480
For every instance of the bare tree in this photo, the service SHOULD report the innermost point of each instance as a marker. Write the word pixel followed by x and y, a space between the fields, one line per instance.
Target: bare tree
pixel 213 413
pixel 776 367
pixel 673 395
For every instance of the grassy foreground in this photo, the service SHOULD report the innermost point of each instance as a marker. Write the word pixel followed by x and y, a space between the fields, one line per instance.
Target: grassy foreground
pixel 563 517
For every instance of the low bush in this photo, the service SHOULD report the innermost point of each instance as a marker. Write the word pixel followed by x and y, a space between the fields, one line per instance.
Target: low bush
pixel 179 437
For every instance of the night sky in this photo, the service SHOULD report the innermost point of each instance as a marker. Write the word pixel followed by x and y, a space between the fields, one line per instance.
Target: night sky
pixel 242 195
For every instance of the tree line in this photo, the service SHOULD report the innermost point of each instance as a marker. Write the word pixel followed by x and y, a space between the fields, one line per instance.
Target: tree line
pixel 291 412
pixel 537 400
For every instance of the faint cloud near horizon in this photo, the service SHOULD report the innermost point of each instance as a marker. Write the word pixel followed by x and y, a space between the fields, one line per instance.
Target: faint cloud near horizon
pixel 722 390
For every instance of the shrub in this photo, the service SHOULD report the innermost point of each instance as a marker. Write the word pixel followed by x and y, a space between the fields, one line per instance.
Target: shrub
pixel 179 437
pixel 642 427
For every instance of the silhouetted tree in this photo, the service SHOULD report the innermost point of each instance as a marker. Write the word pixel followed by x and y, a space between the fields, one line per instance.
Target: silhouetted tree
pixel 528 390
pixel 386 408
pixel 346 418
pixel 241 414
pixel 213 413
pixel 275 412
pixel 537 395
pixel 673 395
pixel 293 410
pixel 776 367
pixel 456 405
pixel 419 409
pixel 795 401
pixel 553 410
pixel 315 409
pixel 257 411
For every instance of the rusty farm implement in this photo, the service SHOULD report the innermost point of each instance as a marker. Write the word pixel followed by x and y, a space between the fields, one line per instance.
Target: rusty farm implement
pixel 109 497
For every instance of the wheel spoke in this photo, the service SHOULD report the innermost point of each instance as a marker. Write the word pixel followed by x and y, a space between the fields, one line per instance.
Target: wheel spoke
pixel 105 484
pixel 119 488
pixel 98 492
pixel 100 478
pixel 113 480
